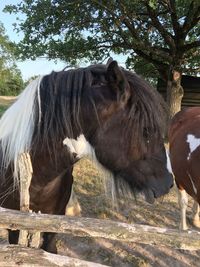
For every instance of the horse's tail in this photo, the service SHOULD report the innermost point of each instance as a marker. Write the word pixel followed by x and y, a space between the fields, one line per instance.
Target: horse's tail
pixel 17 126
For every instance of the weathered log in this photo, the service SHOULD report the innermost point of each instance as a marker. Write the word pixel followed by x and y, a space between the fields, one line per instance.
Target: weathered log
pixel 25 174
pixel 12 255
pixel 80 226
pixel 26 238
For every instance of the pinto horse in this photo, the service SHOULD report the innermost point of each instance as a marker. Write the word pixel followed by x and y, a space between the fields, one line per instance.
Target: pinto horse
pixel 103 111
pixel 184 142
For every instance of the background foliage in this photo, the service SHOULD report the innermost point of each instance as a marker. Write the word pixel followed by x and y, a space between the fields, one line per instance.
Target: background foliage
pixel 157 33
pixel 11 82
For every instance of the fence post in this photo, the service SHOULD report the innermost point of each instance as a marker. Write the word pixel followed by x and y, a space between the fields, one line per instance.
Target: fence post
pixel 26 238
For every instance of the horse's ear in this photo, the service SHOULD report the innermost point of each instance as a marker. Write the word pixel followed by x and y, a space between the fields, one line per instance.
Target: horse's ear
pixel 116 78
pixel 109 61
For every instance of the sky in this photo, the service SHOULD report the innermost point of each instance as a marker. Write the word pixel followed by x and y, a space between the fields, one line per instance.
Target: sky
pixel 28 68
pixel 40 66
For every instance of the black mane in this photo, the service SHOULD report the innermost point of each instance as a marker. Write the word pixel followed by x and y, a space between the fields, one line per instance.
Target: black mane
pixel 148 112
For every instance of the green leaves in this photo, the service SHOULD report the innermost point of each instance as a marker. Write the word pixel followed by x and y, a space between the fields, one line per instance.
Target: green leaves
pixel 76 31
pixel 11 82
pixel 153 3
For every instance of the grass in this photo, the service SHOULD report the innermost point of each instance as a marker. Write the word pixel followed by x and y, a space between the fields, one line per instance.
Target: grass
pixel 5 102
pixel 89 188
pixel 2 109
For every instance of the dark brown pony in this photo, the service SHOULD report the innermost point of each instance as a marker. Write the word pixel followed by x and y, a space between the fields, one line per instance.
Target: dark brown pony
pixel 102 111
pixel 184 140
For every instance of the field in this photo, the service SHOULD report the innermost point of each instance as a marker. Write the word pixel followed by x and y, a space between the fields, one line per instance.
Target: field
pixel 5 101
pixel 95 203
pixel 89 189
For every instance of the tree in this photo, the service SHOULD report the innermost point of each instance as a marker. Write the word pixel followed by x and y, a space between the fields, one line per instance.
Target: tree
pixel 11 82
pixel 164 33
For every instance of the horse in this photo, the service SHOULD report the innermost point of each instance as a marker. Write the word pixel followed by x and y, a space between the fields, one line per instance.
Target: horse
pixel 184 147
pixel 102 111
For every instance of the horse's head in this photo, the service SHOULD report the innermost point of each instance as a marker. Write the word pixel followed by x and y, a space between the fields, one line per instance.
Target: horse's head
pixel 123 123
pixel 112 111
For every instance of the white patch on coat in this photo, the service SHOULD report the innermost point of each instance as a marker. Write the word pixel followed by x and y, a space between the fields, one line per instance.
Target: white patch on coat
pixel 80 146
pixel 169 166
pixel 193 142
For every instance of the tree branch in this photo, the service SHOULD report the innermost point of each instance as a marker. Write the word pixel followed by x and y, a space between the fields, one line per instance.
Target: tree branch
pixel 194 70
pixel 104 7
pixel 174 18
pixel 189 46
pixel 141 44
pixel 156 23
pixel 160 66
pixel 192 18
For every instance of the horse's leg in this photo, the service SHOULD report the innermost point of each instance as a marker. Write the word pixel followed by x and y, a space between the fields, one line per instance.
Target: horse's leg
pixel 196 210
pixel 73 207
pixel 183 203
pixel 49 243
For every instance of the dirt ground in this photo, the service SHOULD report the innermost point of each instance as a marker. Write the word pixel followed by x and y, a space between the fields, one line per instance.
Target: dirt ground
pixel 164 213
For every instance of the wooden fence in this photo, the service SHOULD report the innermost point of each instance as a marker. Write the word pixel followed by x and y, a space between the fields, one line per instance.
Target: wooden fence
pixel 81 226
pixel 31 224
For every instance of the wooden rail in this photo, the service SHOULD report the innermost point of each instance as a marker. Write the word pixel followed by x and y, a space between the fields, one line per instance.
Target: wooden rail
pixel 81 226
pixel 12 255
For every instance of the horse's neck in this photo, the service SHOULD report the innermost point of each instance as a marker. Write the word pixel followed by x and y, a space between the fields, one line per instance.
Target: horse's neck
pixel 48 164
pixel 51 182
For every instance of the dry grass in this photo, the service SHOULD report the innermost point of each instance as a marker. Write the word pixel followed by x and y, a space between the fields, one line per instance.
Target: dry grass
pixel 7 100
pixel 95 203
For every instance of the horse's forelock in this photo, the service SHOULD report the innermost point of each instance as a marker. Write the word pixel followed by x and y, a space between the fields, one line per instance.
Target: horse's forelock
pixel 61 94
pixel 147 113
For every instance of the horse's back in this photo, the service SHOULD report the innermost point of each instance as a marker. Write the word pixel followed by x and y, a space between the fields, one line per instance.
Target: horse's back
pixel 183 120
pixel 184 143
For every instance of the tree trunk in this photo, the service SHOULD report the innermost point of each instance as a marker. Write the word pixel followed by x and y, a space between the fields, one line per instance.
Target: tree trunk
pixel 175 92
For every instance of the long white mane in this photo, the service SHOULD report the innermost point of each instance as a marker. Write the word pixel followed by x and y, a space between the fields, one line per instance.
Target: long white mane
pixel 17 126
